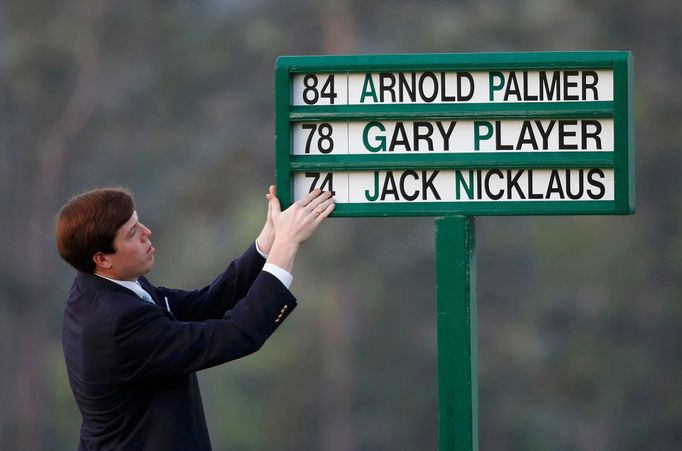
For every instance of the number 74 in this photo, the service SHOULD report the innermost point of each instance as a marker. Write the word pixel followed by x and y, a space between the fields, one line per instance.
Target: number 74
pixel 327 182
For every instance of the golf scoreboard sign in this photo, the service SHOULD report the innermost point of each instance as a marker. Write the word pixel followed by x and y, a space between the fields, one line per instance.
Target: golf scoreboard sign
pixel 458 134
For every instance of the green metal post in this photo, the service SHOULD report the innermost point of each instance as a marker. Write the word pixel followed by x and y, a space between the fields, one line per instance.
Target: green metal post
pixel 456 313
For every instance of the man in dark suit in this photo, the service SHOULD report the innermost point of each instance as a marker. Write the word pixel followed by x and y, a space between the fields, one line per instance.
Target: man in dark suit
pixel 132 349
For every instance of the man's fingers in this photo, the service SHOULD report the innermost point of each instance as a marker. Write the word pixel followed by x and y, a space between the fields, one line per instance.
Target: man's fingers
pixel 319 204
pixel 316 202
pixel 305 200
pixel 326 212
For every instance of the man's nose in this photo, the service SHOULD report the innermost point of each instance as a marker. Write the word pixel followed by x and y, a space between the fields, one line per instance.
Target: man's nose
pixel 146 231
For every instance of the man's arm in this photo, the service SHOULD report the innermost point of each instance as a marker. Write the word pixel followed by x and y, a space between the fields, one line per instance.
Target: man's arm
pixel 147 344
pixel 212 301
pixel 280 238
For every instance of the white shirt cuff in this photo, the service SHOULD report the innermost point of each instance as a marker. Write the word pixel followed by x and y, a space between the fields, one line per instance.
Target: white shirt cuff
pixel 263 254
pixel 283 275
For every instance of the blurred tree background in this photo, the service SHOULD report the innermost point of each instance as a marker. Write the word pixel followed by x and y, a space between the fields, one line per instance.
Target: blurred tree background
pixel 580 318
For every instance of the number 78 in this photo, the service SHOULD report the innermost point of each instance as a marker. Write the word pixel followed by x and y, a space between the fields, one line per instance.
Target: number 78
pixel 325 143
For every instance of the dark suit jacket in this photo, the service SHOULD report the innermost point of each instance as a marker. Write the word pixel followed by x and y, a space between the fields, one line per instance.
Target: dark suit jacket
pixel 131 364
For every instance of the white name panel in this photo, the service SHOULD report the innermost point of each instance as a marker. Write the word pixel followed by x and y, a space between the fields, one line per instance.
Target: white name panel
pixel 376 137
pixel 466 185
pixel 452 87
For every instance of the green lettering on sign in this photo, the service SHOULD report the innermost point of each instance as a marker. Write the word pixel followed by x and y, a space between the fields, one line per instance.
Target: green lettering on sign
pixel 368 89
pixel 493 85
pixel 381 139
pixel 478 137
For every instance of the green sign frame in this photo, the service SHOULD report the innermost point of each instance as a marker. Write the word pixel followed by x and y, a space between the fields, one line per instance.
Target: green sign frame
pixel 455 222
pixel 620 109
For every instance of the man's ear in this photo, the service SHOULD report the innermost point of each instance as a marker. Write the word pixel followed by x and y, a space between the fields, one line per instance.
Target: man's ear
pixel 101 260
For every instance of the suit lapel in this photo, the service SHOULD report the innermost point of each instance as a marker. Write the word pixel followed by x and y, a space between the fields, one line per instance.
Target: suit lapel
pixel 151 289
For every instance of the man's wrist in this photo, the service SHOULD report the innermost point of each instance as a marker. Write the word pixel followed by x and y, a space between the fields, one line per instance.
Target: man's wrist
pixel 264 242
pixel 283 275
pixel 260 250
pixel 282 254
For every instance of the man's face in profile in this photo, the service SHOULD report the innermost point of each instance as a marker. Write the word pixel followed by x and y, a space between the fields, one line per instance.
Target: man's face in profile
pixel 134 254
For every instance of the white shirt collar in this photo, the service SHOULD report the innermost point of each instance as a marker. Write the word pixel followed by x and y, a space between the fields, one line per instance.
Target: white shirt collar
pixel 135 286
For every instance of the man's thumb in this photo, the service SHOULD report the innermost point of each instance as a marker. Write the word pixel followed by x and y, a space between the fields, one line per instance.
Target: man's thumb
pixel 274 207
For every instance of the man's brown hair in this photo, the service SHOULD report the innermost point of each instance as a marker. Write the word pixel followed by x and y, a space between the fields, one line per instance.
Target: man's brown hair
pixel 88 223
